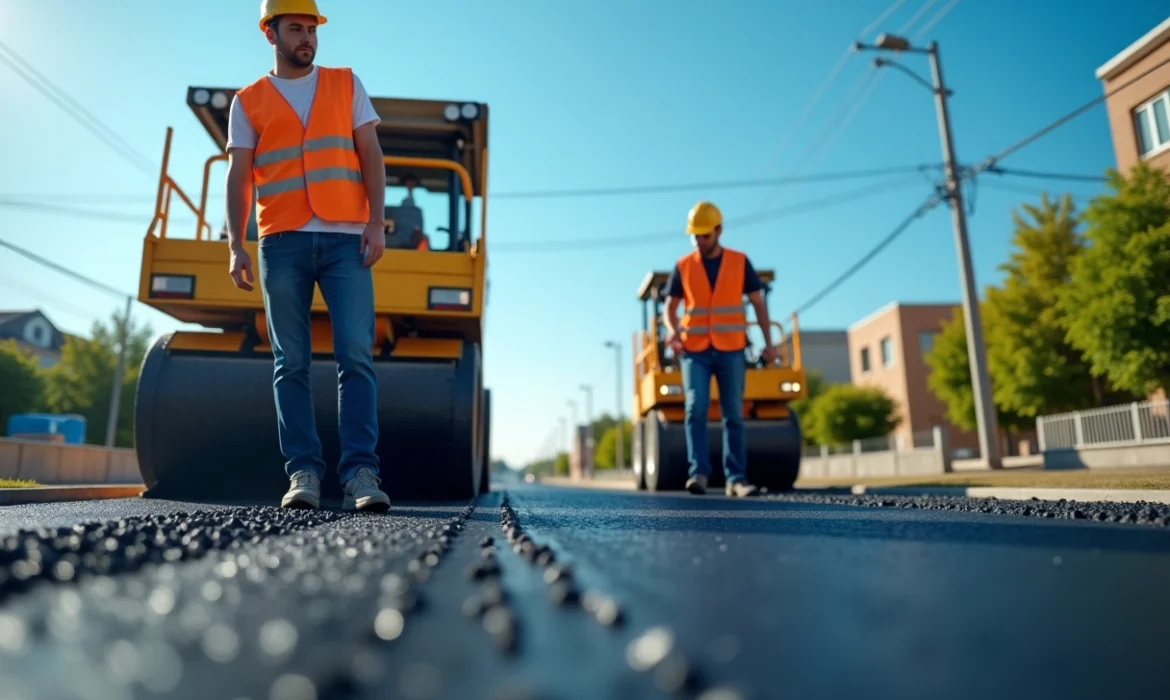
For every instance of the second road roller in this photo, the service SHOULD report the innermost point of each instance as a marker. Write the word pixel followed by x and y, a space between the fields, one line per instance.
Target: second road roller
pixel 771 427
pixel 205 417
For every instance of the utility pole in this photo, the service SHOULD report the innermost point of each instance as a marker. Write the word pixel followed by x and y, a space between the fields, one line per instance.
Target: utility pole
pixel 620 459
pixel 588 428
pixel 116 394
pixel 985 416
pixel 573 431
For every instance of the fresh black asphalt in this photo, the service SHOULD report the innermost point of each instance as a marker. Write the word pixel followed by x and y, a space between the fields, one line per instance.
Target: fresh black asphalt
pixel 536 592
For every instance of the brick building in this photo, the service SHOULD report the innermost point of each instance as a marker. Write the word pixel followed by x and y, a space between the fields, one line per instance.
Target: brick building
pixel 887 349
pixel 1139 114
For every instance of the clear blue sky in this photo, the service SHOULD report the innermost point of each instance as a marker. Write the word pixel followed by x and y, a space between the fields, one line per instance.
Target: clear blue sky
pixel 593 94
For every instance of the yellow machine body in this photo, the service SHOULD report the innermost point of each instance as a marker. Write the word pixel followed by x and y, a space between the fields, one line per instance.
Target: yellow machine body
pixel 772 429
pixel 205 414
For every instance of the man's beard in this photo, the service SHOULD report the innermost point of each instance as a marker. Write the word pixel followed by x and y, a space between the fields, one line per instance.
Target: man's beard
pixel 294 58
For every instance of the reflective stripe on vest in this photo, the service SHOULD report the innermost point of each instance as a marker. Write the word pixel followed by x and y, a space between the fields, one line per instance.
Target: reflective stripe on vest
pixel 713 317
pixel 303 172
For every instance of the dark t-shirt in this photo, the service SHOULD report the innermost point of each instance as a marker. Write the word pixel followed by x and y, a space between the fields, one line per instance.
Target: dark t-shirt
pixel 751 281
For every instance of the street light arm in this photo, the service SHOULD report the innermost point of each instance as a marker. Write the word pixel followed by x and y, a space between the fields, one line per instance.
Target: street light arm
pixel 881 62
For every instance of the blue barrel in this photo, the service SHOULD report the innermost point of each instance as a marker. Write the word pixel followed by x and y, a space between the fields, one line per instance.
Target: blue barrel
pixel 71 426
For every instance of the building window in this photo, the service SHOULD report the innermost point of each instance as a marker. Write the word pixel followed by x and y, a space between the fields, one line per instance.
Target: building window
pixel 925 342
pixel 865 360
pixel 1151 123
pixel 38 333
pixel 887 351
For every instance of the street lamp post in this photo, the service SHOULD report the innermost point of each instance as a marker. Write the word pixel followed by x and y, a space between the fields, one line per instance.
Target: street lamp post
pixel 588 426
pixel 573 432
pixel 976 352
pixel 620 459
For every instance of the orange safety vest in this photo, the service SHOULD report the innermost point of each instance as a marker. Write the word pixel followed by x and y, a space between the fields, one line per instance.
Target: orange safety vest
pixel 302 171
pixel 713 318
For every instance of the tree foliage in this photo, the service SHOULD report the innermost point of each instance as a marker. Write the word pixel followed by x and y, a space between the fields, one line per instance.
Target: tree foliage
pixel 21 381
pixel 950 375
pixel 82 382
pixel 1117 303
pixel 1034 370
pixel 605 453
pixel 845 412
pixel 815 386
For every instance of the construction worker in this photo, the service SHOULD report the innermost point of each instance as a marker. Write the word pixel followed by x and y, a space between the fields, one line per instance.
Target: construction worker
pixel 305 137
pixel 711 282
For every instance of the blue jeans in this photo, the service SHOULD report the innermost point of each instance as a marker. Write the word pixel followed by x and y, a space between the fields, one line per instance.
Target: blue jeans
pixel 728 368
pixel 290 264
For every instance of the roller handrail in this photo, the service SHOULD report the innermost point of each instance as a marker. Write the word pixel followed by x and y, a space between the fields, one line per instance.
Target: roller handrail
pixel 444 163
pixel 162 205
pixel 203 198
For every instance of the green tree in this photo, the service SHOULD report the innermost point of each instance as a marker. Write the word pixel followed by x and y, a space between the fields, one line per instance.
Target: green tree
pixel 605 455
pixel 82 382
pixel 845 412
pixel 23 385
pixel 561 464
pixel 950 374
pixel 1117 305
pixel 815 386
pixel 1033 367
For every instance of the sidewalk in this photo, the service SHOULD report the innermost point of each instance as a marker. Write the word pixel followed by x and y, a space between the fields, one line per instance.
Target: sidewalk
pixel 1018 484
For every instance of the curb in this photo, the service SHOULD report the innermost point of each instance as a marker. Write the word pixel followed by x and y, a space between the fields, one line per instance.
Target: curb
pixel 53 494
pixel 1020 493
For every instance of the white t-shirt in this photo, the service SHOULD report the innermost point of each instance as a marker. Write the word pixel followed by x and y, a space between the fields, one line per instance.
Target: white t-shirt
pixel 299 94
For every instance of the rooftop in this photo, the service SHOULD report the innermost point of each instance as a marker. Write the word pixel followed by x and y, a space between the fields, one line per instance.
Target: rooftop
pixel 1135 51
pixel 900 305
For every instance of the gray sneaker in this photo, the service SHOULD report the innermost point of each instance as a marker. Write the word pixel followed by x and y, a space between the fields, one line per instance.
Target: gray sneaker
pixel 697 485
pixel 741 489
pixel 303 492
pixel 362 493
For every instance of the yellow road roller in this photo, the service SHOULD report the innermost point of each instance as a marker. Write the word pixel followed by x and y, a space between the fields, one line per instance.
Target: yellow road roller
pixel 205 416
pixel 771 428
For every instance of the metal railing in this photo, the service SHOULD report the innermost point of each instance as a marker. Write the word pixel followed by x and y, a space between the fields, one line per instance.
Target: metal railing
pixel 1128 424
pixel 923 439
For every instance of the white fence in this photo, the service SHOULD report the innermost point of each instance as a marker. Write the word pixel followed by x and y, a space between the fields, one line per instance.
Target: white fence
pixel 1134 435
pixel 926 453
pixel 1139 422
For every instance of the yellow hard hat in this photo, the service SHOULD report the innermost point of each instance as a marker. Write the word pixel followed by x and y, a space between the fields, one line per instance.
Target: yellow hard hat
pixel 272 8
pixel 703 218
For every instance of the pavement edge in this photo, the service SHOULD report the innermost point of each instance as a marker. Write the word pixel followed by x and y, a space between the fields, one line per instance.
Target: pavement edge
pixel 53 494
pixel 1021 493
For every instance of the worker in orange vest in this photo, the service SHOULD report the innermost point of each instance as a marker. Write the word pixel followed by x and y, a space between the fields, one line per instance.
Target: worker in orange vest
pixel 304 136
pixel 710 282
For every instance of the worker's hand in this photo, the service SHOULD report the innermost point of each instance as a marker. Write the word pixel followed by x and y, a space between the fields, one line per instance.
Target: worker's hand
pixel 241 268
pixel 674 342
pixel 769 354
pixel 373 243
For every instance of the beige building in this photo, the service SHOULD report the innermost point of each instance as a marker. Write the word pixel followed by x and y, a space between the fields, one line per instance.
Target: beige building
pixel 887 349
pixel 1139 114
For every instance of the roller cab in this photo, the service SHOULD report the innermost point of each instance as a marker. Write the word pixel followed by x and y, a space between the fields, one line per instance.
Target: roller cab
pixel 771 428
pixel 206 425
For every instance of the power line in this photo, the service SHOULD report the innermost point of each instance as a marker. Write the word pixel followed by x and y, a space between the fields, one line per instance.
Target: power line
pixel 1075 177
pixel 81 212
pixel 829 80
pixel 750 220
pixel 715 185
pixel 65 271
pixel 930 202
pixel 80 114
pixel 992 160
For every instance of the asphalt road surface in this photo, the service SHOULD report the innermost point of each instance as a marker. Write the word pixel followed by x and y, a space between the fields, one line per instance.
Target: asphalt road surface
pixel 536 592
